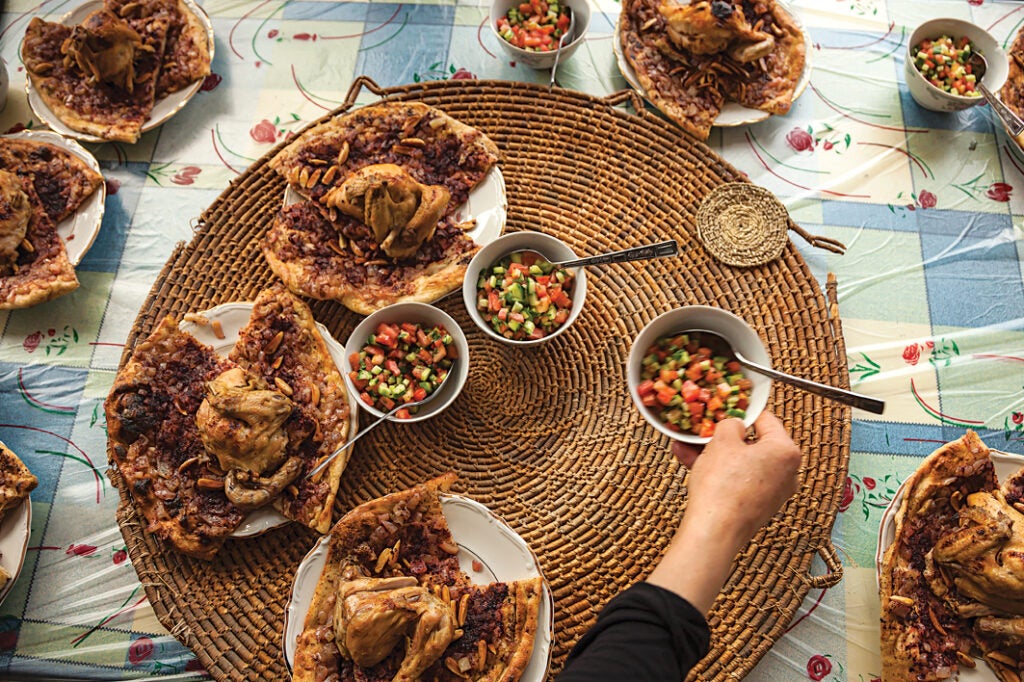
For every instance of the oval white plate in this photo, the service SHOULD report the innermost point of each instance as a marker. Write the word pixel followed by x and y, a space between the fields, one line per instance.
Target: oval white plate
pixel 162 109
pixel 487 203
pixel 481 535
pixel 14 534
pixel 732 114
pixel 78 230
pixel 232 317
pixel 1006 465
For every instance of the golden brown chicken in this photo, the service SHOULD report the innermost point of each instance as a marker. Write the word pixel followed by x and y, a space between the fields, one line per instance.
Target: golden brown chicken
pixel 241 423
pixel 374 615
pixel 401 212
pixel 984 558
pixel 15 211
pixel 715 26
pixel 104 47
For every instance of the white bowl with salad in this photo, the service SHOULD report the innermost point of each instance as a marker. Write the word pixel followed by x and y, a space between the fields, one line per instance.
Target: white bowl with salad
pixel 529 30
pixel 514 293
pixel 936 64
pixel 403 353
pixel 684 383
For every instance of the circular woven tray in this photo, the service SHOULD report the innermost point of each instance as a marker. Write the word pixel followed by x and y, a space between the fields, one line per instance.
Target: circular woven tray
pixel 547 437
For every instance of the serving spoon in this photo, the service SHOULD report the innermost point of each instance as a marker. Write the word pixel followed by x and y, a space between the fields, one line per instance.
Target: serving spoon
pixel 858 400
pixel 1014 124
pixel 563 40
pixel 659 250
pixel 386 416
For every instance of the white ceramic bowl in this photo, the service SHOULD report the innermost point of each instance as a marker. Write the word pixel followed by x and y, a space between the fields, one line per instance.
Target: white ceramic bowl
pixel 936 99
pixel 696 318
pixel 541 60
pixel 423 314
pixel 551 248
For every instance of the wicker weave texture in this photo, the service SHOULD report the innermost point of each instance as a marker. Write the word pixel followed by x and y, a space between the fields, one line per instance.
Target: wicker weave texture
pixel 547 437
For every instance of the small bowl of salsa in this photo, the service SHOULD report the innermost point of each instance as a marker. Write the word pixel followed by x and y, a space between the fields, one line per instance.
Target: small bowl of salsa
pixel 403 353
pixel 517 295
pixel 529 30
pixel 937 64
pixel 684 377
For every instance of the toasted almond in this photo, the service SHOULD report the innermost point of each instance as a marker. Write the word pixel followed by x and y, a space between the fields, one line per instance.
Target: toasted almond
pixel 178 407
pixel 274 343
pixel 649 23
pixel 276 364
pixel 292 490
pixel 902 600
pixel 293 176
pixel 314 178
pixel 343 153
pixel 458 634
pixel 481 654
pixel 965 660
pixel 446 594
pixel 415 142
pixel 329 175
pixel 283 386
pixel 436 123
pixel 449 546
pixel 304 177
pixel 187 463
pixel 332 214
pixel 209 483
pixel 41 68
pixel 342 242
pixel 318 162
pixel 355 249
pixel 382 559
pixel 196 318
pixel 218 329
pixel 402 149
pixel 27 245
pixel 467 225
pixel 335 248
pixel 376 261
pixel 314 394
pixel 463 609
pixel 129 8
pixel 935 622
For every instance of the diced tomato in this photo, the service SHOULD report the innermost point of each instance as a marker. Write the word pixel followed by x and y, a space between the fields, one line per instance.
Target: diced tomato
pixel 715 404
pixel 646 387
pixel 694 372
pixel 666 395
pixel 650 400
pixel 403 413
pixel 696 409
pixel 669 375
pixel 354 360
pixel 690 390
pixel 392 367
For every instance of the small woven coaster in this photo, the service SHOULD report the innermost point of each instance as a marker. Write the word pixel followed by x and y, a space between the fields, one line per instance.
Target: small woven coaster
pixel 742 224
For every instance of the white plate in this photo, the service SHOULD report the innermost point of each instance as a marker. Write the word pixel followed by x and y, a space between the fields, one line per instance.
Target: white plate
pixel 487 203
pixel 14 533
pixel 78 230
pixel 162 110
pixel 1006 465
pixel 732 114
pixel 481 535
pixel 232 317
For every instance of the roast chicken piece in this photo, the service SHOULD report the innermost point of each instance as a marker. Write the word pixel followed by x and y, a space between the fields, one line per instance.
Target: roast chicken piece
pixel 15 211
pixel 984 558
pixel 104 47
pixel 714 26
pixel 401 212
pixel 373 615
pixel 241 423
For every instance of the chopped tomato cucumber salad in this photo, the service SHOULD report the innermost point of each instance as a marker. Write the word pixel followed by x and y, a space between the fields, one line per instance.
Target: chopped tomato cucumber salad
pixel 535 25
pixel 401 363
pixel 692 387
pixel 943 63
pixel 524 297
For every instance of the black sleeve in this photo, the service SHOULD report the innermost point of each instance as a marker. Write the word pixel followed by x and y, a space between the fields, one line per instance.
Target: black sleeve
pixel 644 634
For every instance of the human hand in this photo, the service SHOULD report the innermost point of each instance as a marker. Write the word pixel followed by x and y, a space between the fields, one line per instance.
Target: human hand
pixel 737 484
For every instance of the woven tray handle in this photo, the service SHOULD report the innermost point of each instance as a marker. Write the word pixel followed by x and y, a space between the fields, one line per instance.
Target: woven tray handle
pixel 617 98
pixel 834 566
pixel 357 85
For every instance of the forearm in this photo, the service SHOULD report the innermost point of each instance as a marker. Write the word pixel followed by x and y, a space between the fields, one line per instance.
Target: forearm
pixel 699 559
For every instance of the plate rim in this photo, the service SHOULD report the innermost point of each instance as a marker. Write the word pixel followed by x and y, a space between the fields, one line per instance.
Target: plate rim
pixel 543 636
pixel 47 117
pixel 24 528
pixel 755 115
pixel 274 519
pixel 99 197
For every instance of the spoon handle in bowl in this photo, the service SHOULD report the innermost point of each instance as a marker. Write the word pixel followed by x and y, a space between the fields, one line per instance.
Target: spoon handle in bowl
pixel 863 402
pixel 659 250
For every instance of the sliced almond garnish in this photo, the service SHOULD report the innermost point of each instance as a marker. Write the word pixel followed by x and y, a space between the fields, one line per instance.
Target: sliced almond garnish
pixel 283 386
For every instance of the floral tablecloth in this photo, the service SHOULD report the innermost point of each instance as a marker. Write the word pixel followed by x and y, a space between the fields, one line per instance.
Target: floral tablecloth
pixel 931 290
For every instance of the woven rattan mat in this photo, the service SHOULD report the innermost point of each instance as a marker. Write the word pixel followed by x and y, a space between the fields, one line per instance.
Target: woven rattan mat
pixel 547 437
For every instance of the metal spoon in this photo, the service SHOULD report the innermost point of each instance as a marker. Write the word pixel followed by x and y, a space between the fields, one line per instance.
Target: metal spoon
pixel 387 416
pixel 1013 123
pixel 659 250
pixel 866 403
pixel 564 40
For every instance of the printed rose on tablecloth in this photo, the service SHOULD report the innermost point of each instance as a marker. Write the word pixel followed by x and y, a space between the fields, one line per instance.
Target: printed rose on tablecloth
pixel 999 191
pixel 911 354
pixel 874 493
pixel 800 140
pixel 817 667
